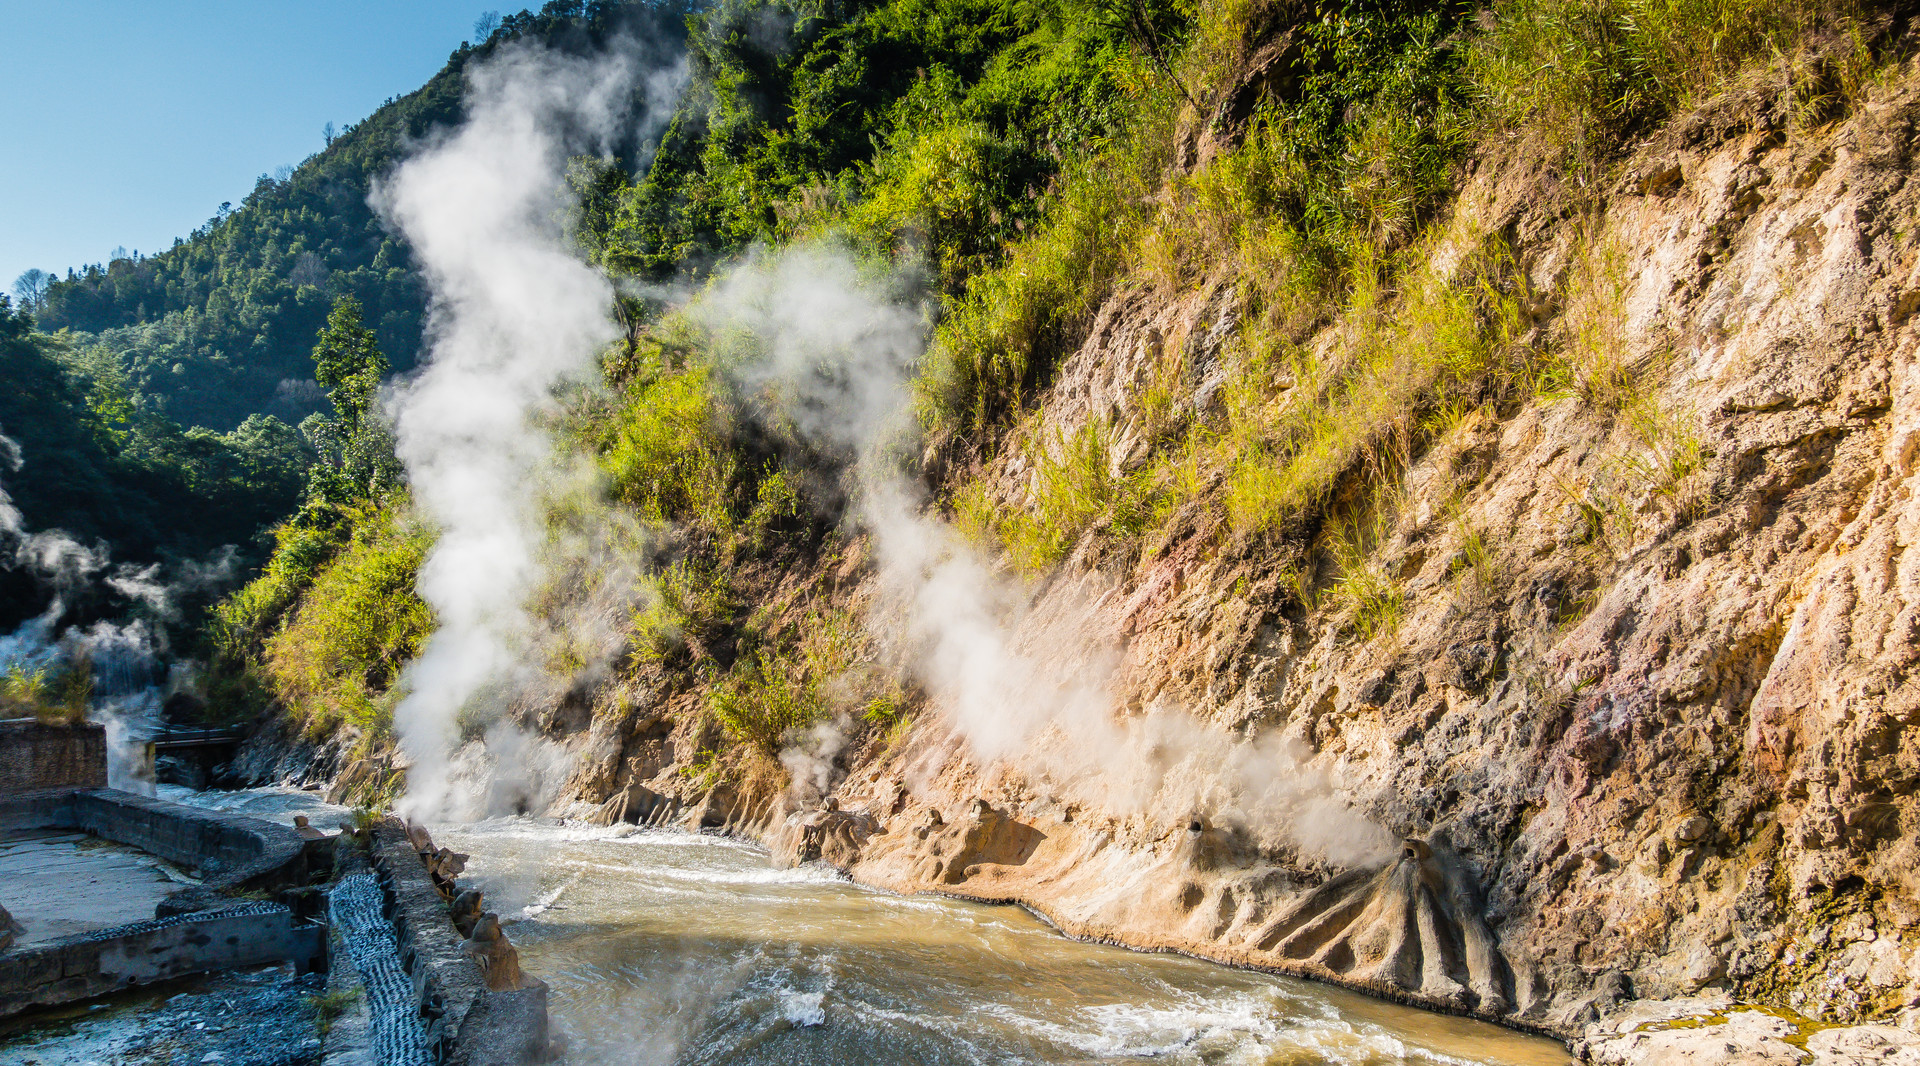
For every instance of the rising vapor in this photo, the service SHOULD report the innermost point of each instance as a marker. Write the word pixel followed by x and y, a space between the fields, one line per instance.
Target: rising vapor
pixel 514 313
pixel 837 351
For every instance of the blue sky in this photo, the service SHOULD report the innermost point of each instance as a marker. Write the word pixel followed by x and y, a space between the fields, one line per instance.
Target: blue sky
pixel 126 124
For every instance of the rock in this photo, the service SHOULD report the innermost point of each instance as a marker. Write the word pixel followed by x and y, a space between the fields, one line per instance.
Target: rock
pixel 1704 967
pixel 827 835
pixel 1609 991
pixel 465 911
pixel 1470 664
pixel 180 770
pixel 1693 830
pixel 9 929
pixel 489 948
pixel 421 840
pixel 443 866
pixel 635 803
pixel 1862 1045
pixel 1719 1032
pixel 305 828
pixel 1412 927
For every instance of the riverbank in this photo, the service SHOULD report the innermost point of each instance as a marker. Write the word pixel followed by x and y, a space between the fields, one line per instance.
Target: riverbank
pixel 719 955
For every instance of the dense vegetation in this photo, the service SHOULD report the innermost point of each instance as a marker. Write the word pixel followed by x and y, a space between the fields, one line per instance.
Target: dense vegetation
pixel 1025 160
pixel 83 456
pixel 155 397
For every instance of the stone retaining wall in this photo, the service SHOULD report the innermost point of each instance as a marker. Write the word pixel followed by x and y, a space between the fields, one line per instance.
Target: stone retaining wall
pixel 229 852
pixel 37 756
pixel 467 1023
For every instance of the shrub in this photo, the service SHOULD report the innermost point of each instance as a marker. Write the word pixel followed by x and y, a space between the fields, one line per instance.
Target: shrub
pixel 359 622
pixel 690 603
pixel 1002 338
pixel 56 694
pixel 818 667
pixel 665 451
pixel 765 699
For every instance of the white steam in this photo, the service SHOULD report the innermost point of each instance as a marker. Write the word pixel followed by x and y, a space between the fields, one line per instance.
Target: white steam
pixel 127 659
pixel 514 315
pixel 1037 694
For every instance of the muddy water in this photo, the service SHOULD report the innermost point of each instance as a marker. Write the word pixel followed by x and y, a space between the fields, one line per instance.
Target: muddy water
pixel 673 948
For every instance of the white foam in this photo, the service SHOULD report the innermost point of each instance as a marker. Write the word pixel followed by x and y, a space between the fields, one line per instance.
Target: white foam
pixel 545 900
pixel 1245 1029
pixel 804 1010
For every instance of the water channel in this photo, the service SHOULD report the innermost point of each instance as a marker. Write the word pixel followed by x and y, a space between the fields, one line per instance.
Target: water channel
pixel 665 948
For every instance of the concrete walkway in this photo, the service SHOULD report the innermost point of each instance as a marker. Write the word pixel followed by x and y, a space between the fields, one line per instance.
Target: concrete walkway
pixel 60 884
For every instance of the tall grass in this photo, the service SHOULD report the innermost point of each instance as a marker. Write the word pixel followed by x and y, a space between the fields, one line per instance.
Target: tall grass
pixel 816 668
pixel 54 694
pixel 1362 402
pixel 1075 483
pixel 341 650
pixel 665 448
pixel 1589 71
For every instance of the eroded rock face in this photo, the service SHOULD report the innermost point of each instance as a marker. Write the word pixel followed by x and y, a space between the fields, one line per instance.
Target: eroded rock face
pixel 1410 928
pixel 636 803
pixel 827 834
pixel 1714 1030
pixel 1647 718
pixel 1666 717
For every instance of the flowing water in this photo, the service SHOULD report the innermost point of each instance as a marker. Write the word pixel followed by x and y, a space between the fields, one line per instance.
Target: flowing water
pixel 664 947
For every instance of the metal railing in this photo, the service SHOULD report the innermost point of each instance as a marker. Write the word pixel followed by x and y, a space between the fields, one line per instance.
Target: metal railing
pixel 195 738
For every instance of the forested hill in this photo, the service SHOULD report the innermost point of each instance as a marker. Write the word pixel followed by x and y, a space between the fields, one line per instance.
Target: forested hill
pixel 221 325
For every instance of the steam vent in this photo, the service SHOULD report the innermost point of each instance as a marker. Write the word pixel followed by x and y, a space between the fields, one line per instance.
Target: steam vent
pixel 104 891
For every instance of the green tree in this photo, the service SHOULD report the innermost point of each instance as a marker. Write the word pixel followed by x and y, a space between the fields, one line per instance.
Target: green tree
pixel 356 449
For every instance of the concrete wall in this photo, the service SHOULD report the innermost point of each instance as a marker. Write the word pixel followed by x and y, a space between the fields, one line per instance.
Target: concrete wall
pixel 35 756
pixel 248 934
pixel 231 852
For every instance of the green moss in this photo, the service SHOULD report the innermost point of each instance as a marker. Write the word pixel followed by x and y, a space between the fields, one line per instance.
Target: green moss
pixel 1801 1029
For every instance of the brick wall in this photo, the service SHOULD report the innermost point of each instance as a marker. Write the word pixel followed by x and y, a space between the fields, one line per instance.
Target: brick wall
pixel 35 756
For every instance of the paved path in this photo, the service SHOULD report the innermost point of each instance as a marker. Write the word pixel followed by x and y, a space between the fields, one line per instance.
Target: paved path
pixel 59 884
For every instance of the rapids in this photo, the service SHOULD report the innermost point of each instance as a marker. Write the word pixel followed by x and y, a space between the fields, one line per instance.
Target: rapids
pixel 666 948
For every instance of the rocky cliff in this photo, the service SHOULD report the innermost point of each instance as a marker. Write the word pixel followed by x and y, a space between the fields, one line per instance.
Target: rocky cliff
pixel 1559 656
pixel 1633 704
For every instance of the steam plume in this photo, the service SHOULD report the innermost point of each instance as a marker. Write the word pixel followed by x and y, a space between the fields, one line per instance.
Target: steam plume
pixel 514 314
pixel 130 678
pixel 837 352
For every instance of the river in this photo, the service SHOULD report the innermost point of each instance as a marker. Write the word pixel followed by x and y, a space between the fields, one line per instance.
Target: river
pixel 666 948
